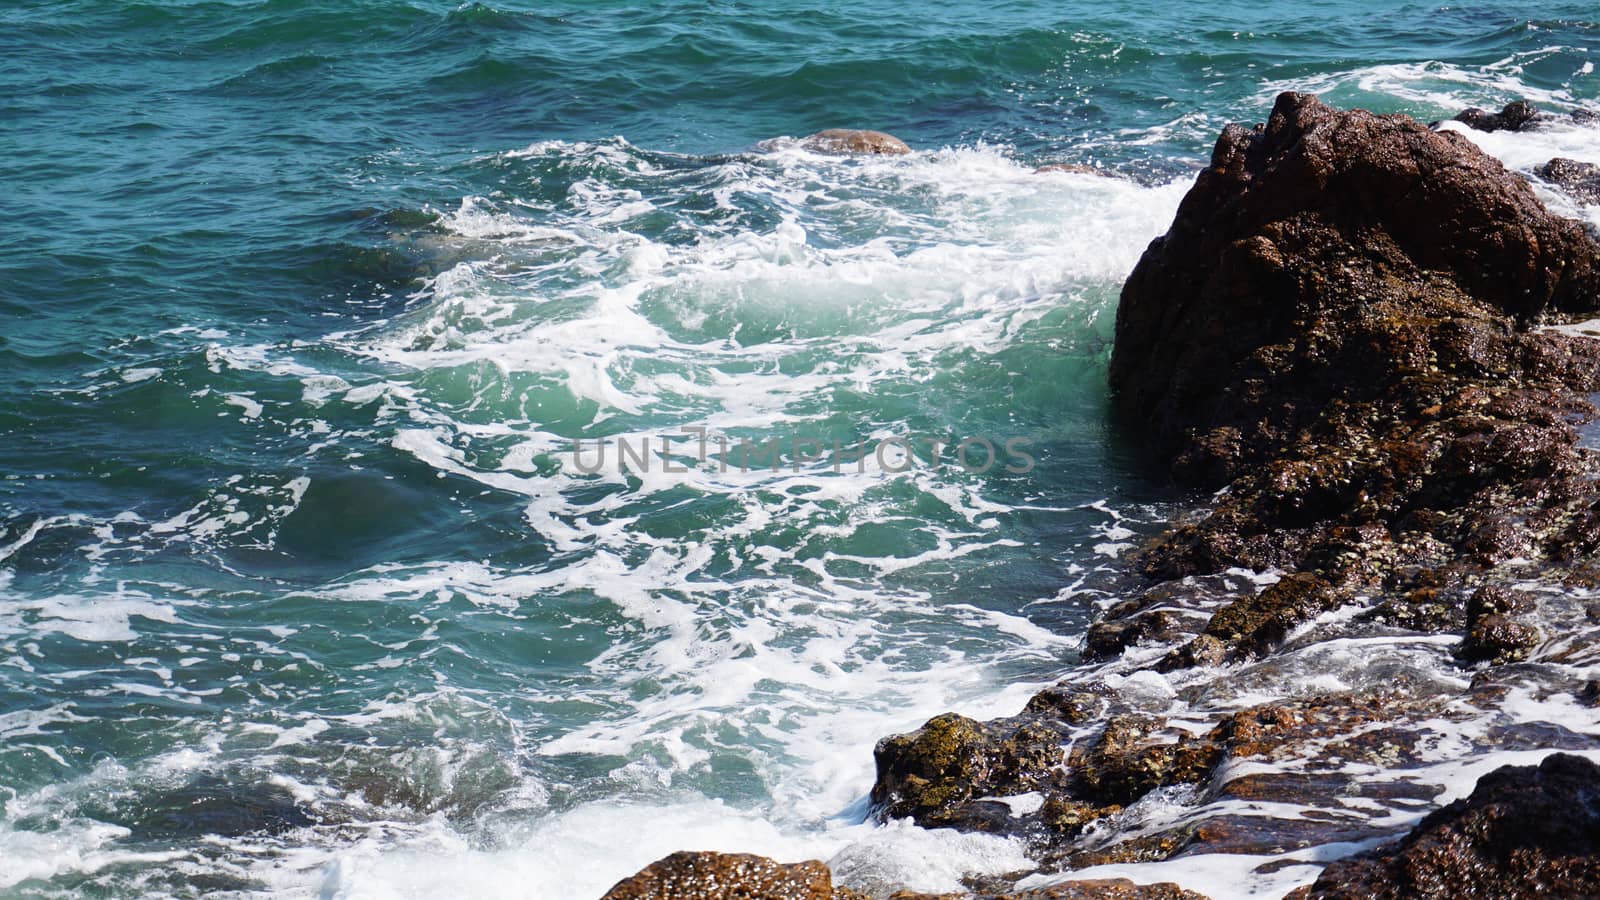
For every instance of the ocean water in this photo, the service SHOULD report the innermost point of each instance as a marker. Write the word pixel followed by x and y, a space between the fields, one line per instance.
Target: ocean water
pixel 304 303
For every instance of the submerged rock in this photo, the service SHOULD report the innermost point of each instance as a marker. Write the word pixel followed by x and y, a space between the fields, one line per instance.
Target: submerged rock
pixel 1493 630
pixel 1515 116
pixel 217 804
pixel 726 876
pixel 1524 832
pixel 854 142
pixel 1074 169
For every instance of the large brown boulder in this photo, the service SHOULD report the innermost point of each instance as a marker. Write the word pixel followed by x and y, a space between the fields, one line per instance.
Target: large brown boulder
pixel 1293 266
pixel 1525 832
pixel 1578 180
pixel 725 876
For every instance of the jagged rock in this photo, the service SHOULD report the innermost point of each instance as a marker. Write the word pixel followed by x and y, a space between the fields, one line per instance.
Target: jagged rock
pixel 1338 323
pixel 1515 116
pixel 1163 613
pixel 1318 219
pixel 1424 608
pixel 1524 832
pixel 1068 817
pixel 1343 328
pixel 726 876
pixel 1069 705
pixel 1111 636
pixel 1580 180
pixel 853 142
pixel 939 774
pixel 1251 624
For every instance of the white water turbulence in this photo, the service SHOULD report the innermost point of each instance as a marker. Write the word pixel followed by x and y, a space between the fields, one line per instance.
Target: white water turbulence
pixel 577 671
pixel 560 674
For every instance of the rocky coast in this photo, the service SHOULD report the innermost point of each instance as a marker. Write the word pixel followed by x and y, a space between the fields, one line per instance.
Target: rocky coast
pixel 1361 666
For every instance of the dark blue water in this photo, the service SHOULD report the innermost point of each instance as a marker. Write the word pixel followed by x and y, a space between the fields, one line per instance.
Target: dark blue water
pixel 303 303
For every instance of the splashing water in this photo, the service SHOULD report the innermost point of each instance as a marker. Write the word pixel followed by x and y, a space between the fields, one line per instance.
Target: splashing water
pixel 302 587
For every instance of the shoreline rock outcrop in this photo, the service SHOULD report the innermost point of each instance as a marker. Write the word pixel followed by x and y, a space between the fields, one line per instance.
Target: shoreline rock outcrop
pixel 1231 330
pixel 1580 180
pixel 1343 329
pixel 1340 328
pixel 1347 330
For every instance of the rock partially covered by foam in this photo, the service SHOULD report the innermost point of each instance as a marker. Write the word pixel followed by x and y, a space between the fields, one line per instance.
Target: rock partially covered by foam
pixel 1073 169
pixel 1515 116
pixel 726 876
pixel 854 142
pixel 1298 261
pixel 1088 889
pixel 1525 831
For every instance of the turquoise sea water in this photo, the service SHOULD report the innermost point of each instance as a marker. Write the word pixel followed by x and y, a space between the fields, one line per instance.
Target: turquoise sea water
pixel 303 303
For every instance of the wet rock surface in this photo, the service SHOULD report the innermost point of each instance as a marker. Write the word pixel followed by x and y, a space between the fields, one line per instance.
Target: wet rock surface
pixel 1074 169
pixel 953 770
pixel 1339 327
pixel 1580 180
pixel 726 876
pixel 1089 889
pixel 1525 831
pixel 1330 257
pixel 854 142
pixel 1514 116
pixel 1362 330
